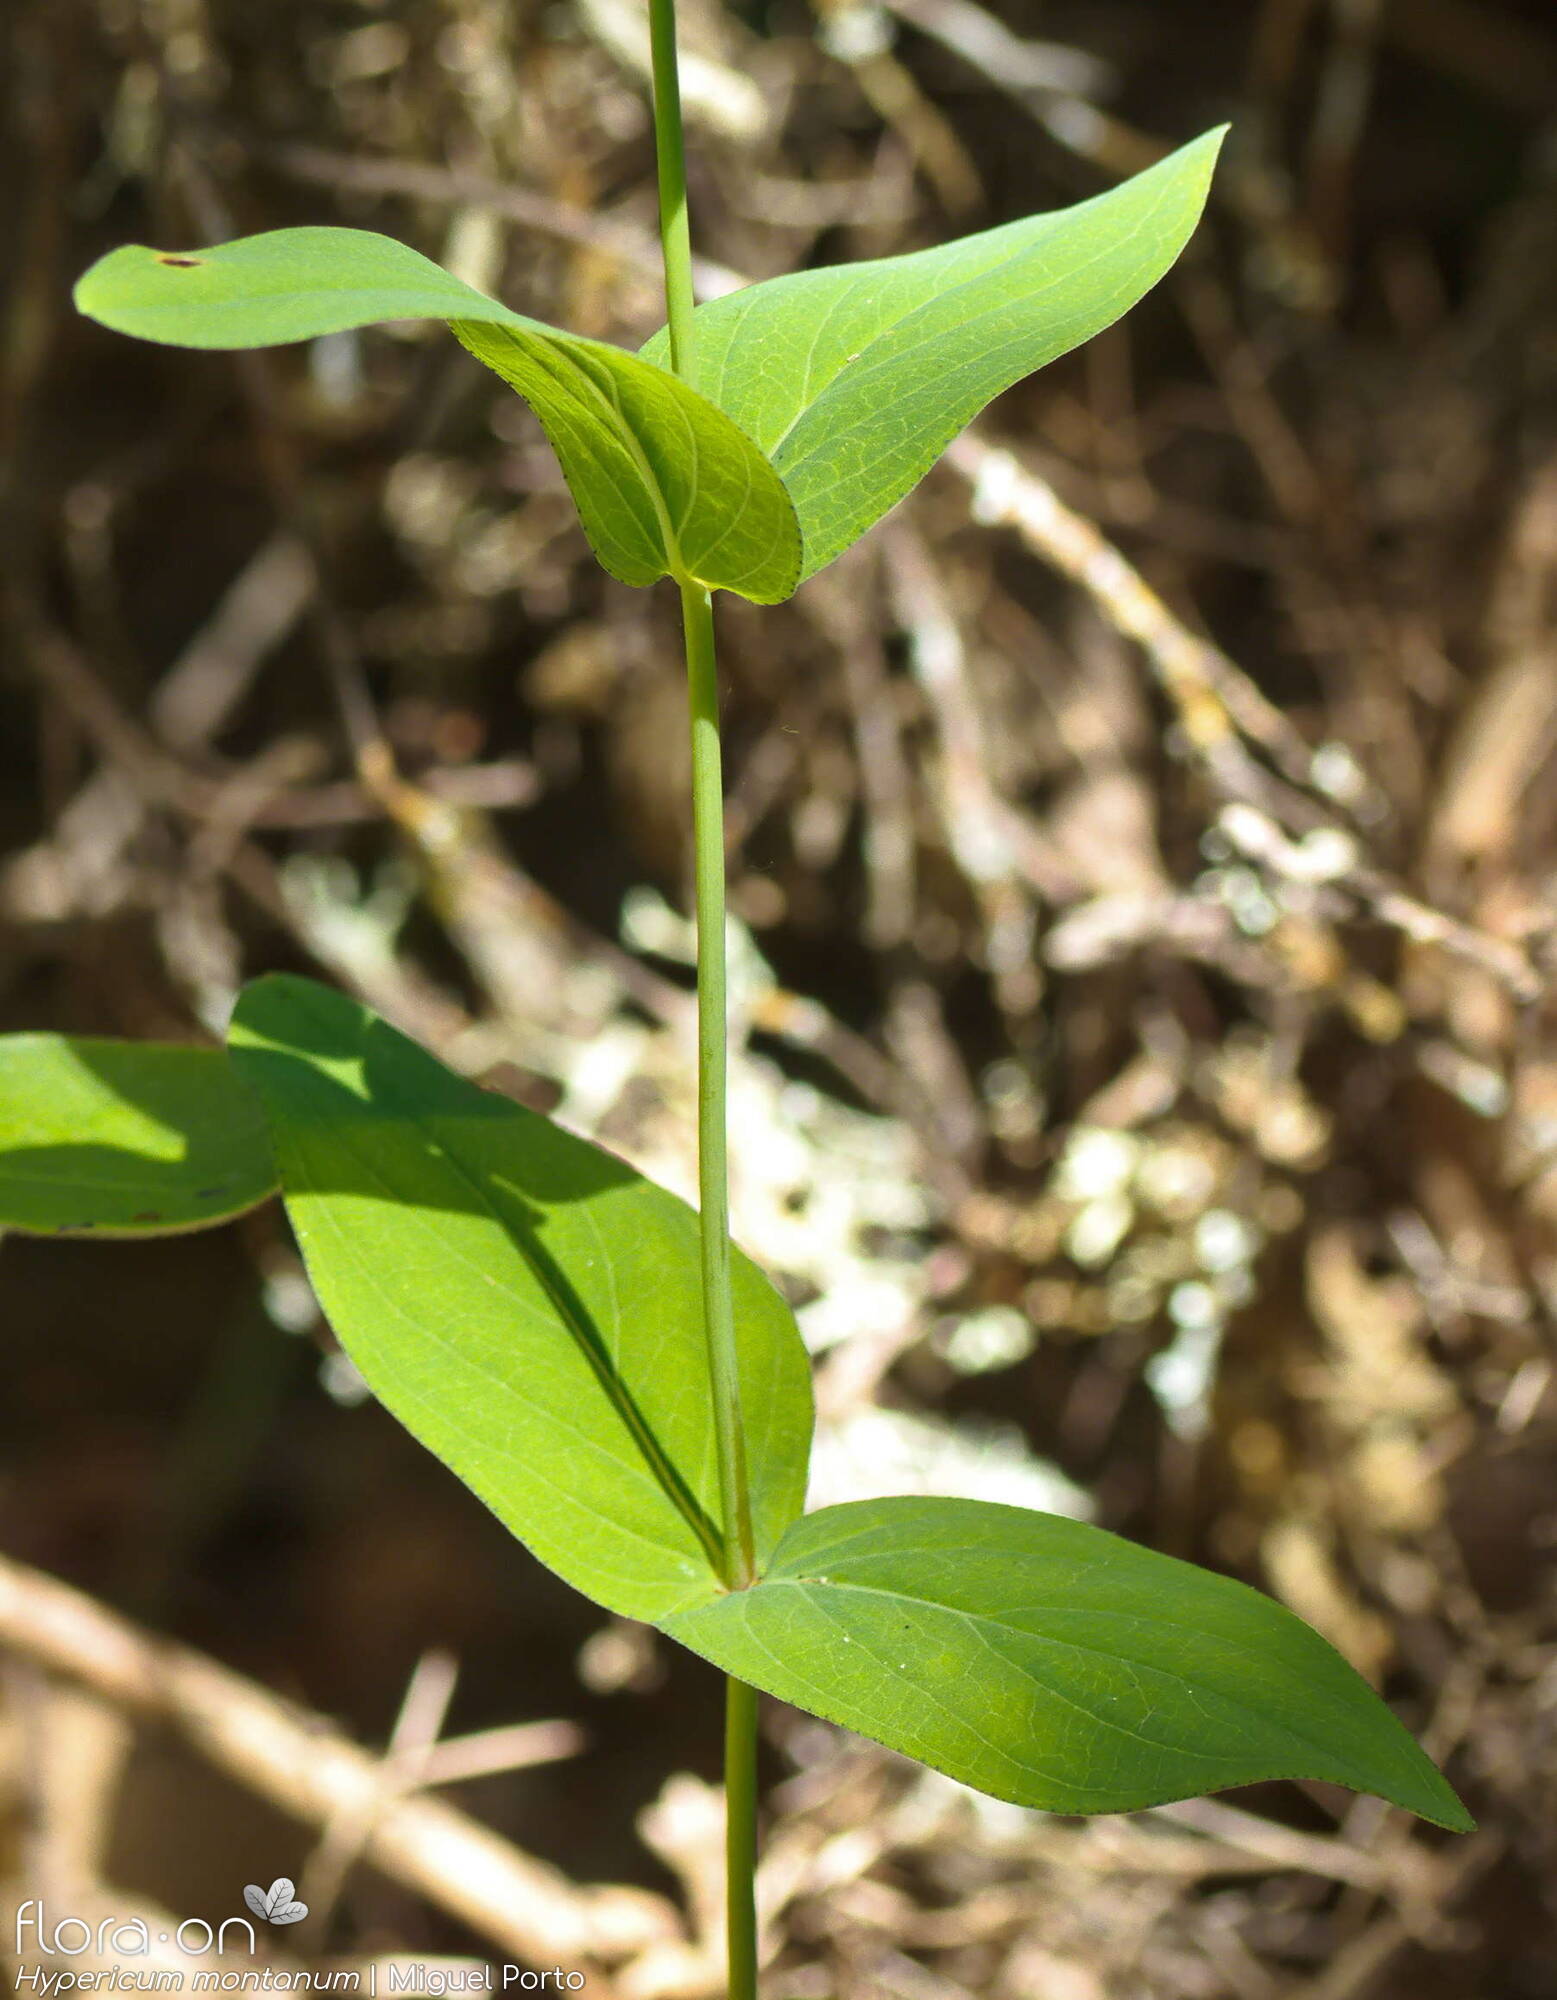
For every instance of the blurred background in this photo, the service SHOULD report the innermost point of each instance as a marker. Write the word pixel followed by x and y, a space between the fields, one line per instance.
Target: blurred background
pixel 1141 848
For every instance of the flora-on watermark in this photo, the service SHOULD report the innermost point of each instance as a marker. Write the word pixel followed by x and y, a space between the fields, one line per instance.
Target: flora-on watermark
pixel 122 1937
pixel 470 1976
pixel 278 1904
pixel 39 1937
pixel 45 1982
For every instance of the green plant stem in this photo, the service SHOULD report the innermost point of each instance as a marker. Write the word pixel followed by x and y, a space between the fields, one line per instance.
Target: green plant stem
pixel 740 1736
pixel 740 1805
pixel 670 154
pixel 712 1158
pixel 697 618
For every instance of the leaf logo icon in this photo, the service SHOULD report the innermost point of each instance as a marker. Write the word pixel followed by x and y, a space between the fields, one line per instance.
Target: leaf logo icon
pixel 278 1904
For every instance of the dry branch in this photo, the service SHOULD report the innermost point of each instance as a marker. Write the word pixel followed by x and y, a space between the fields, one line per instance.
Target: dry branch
pixel 299 1763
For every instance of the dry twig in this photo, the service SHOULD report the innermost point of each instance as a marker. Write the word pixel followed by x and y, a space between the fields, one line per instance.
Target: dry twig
pixel 301 1765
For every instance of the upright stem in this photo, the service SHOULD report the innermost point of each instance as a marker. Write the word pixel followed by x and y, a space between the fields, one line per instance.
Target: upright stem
pixel 740 1845
pixel 675 231
pixel 697 617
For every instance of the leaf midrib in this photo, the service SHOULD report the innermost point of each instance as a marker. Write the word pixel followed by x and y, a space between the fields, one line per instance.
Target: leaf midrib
pixel 859 366
pixel 649 1449
pixel 368 1275
pixel 824 1706
pixel 609 408
pixel 606 405
pixel 977 1620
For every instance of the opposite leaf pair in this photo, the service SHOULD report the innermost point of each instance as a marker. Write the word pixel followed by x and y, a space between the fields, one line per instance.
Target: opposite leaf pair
pixel 821 398
pixel 529 1307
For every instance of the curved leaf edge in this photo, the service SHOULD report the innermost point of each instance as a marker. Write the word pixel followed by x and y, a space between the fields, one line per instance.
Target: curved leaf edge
pixel 1450 1813
pixel 92 296
pixel 248 1037
pixel 1202 151
pixel 262 1163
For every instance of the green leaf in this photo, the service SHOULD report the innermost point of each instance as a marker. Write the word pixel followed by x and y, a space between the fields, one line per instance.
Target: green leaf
pixel 109 1138
pixel 525 1303
pixel 855 379
pixel 664 482
pixel 1053 1664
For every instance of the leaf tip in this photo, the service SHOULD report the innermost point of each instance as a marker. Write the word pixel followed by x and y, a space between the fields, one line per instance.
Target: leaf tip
pixel 111 290
pixel 1415 1784
pixel 84 290
pixel 1204 152
pixel 1446 1809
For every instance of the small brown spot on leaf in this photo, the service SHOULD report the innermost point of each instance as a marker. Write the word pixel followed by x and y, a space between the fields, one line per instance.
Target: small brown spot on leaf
pixel 148 1215
pixel 181 263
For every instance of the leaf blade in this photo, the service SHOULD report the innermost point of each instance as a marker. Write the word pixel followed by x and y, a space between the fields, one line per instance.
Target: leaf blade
pixel 651 464
pixel 1052 1664
pixel 525 1304
pixel 125 1139
pixel 682 501
pixel 854 379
